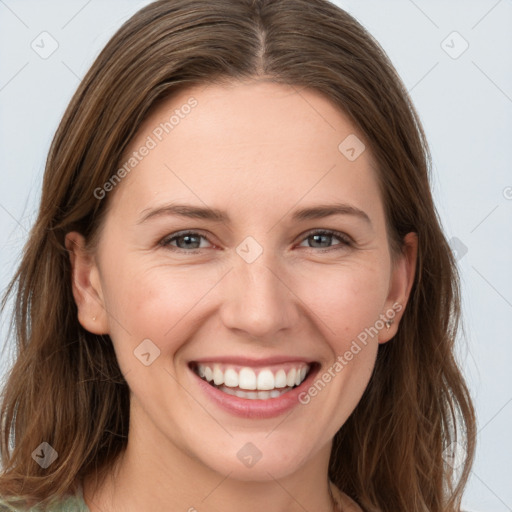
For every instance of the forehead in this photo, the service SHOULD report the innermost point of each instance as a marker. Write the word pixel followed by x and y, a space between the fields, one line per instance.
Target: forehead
pixel 252 114
pixel 250 143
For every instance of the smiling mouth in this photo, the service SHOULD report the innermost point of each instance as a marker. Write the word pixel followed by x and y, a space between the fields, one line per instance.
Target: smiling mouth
pixel 254 384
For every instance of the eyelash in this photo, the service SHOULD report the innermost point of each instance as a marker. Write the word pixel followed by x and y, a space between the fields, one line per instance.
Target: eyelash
pixel 347 241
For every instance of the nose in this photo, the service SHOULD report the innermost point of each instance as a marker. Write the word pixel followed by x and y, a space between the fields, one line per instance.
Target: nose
pixel 260 302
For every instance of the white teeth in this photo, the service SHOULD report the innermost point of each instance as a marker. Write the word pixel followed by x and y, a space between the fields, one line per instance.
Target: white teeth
pixel 265 380
pixel 280 379
pixel 247 378
pixel 218 375
pixel 254 395
pixel 228 391
pixel 290 380
pixel 231 378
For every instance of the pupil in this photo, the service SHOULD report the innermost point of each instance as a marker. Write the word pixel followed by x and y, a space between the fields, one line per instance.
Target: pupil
pixel 320 236
pixel 188 239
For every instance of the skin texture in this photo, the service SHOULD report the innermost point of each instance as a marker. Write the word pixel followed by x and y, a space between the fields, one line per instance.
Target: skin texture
pixel 259 151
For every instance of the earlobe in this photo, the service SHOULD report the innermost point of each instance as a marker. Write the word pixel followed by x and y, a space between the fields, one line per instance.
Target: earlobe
pixel 86 285
pixel 402 279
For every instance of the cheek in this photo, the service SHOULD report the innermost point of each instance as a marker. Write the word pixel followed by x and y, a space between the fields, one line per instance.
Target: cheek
pixel 346 299
pixel 155 302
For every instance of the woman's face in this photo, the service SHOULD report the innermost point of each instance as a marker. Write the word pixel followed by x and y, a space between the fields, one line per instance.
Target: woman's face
pixel 252 297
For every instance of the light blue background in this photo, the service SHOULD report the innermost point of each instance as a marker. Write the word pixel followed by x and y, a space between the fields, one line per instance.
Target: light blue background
pixel 466 108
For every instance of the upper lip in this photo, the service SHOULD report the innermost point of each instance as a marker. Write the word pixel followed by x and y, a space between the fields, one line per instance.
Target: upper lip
pixel 252 362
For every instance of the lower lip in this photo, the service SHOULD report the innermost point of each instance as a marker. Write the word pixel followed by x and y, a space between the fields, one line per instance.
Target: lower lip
pixel 247 408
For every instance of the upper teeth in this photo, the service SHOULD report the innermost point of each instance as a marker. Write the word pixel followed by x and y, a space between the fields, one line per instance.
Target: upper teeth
pixel 246 377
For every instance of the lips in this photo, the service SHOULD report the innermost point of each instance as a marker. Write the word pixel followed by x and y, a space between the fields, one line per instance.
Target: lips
pixel 274 399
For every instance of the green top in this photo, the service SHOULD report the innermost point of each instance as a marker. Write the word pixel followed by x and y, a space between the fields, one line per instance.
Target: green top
pixel 71 503
pixel 76 503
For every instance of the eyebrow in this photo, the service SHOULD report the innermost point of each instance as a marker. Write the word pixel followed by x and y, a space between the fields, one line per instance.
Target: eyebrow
pixel 216 215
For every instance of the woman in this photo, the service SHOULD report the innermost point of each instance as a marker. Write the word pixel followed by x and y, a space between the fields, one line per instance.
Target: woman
pixel 237 291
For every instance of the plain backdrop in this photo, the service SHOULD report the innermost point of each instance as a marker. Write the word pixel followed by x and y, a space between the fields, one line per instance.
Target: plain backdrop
pixel 455 59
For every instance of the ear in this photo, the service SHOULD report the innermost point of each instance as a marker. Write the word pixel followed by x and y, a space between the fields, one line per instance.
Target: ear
pixel 85 282
pixel 402 278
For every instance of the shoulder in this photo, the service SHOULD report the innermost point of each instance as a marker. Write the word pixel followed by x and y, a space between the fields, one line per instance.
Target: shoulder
pixel 65 504
pixel 11 505
pixel 343 501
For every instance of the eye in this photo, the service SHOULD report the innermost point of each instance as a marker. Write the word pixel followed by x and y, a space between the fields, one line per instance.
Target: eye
pixel 190 241
pixel 323 236
pixel 186 241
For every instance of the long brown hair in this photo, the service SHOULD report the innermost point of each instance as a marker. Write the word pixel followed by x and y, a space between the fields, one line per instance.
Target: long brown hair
pixel 66 388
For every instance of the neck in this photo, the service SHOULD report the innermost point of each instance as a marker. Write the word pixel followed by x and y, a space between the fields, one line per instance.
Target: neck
pixel 155 474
